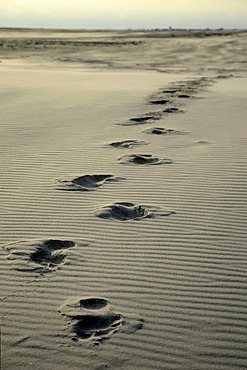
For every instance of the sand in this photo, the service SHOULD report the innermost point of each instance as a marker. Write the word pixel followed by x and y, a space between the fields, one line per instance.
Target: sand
pixel 123 200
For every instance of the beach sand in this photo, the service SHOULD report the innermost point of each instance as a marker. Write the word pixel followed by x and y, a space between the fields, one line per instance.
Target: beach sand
pixel 123 200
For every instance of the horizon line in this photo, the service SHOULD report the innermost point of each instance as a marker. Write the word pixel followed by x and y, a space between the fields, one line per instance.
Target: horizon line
pixel 122 29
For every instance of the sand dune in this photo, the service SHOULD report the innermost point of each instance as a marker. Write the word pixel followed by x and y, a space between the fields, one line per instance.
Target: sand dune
pixel 123 200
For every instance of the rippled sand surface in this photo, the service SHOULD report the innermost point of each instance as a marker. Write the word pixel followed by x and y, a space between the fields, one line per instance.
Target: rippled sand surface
pixel 123 200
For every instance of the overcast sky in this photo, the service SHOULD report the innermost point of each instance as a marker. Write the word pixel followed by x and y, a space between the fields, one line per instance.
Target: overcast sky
pixel 124 13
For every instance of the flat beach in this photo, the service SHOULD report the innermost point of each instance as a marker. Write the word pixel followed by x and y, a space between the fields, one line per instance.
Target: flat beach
pixel 123 199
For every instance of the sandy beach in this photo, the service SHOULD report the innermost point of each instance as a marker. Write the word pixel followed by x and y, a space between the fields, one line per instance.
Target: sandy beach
pixel 123 200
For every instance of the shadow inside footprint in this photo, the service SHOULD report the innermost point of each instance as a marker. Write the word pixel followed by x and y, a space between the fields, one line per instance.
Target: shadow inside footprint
pixel 39 255
pixel 93 303
pixel 141 119
pixel 126 144
pixel 86 182
pixel 51 253
pixel 146 117
pixel 91 318
pixel 122 211
pixel 172 110
pixel 143 159
pixel 170 91
pixel 97 326
pixel 184 96
pixel 159 101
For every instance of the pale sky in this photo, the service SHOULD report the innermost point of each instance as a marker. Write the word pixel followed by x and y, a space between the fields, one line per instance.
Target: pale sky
pixel 124 13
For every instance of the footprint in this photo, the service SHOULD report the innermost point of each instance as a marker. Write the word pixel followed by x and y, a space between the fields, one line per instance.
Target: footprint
pixel 203 142
pixel 184 96
pixel 169 91
pixel 159 101
pixel 143 159
pixel 38 255
pixel 163 131
pixel 225 76
pixel 122 211
pixel 172 110
pixel 159 131
pixel 51 253
pixel 86 182
pixel 91 318
pixel 139 120
pixel 144 118
pixel 127 144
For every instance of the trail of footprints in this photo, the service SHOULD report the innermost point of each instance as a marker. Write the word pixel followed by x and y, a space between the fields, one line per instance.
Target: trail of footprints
pixel 92 318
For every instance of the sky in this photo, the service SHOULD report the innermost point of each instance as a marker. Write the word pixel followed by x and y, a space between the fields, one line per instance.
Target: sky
pixel 122 14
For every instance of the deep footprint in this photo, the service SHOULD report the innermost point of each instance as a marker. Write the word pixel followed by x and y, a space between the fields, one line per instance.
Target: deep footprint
pixel 127 144
pixel 91 318
pixel 86 182
pixel 143 159
pixel 39 255
pixel 122 211
pixel 163 131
